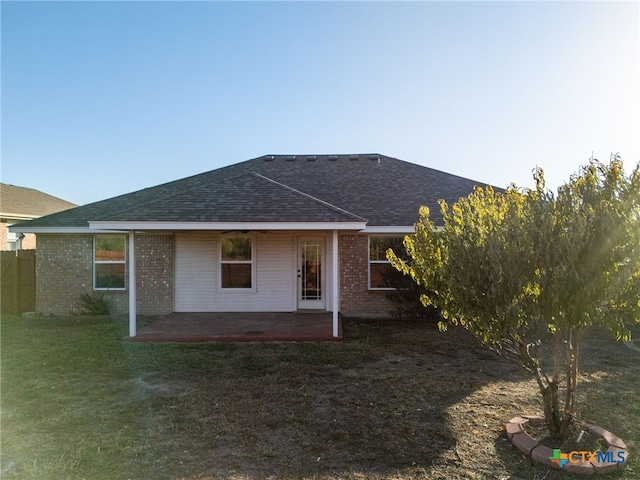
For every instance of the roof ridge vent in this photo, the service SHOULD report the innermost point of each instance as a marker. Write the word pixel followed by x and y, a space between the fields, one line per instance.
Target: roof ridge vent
pixel 311 158
pixel 269 158
pixel 291 158
pixel 333 158
pixel 354 157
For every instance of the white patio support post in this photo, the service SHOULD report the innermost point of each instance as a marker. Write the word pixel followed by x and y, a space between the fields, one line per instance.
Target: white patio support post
pixel 132 284
pixel 335 287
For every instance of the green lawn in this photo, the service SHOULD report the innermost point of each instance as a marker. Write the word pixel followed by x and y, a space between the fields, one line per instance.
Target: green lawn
pixel 395 400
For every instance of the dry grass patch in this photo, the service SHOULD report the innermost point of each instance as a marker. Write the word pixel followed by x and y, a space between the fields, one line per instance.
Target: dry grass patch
pixel 396 400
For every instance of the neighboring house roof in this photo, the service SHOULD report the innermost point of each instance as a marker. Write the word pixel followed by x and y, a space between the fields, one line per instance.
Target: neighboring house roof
pixel 368 188
pixel 20 203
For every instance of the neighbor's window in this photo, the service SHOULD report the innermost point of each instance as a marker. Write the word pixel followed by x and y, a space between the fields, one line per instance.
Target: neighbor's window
pixel 109 262
pixel 381 272
pixel 12 241
pixel 236 262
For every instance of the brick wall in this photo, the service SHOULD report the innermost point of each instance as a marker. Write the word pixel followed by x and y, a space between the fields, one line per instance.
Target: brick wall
pixel 3 235
pixel 64 271
pixel 28 242
pixel 154 274
pixel 355 296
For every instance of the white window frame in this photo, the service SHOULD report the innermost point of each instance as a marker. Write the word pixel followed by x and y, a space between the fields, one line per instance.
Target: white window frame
pixel 12 242
pixel 109 262
pixel 369 261
pixel 251 262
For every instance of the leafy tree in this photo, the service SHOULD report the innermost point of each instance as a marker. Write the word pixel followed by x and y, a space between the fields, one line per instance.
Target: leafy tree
pixel 525 270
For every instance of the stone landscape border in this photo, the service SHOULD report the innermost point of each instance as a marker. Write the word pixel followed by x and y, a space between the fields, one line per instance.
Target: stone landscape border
pixel 517 434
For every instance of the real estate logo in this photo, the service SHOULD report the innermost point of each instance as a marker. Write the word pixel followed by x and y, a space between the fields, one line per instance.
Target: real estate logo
pixel 579 456
pixel 559 458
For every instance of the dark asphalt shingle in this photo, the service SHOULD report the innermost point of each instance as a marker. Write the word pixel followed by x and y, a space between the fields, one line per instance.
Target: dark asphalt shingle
pixel 261 201
pixel 383 190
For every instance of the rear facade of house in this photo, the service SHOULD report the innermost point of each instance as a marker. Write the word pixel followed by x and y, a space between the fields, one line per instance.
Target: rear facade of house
pixel 278 233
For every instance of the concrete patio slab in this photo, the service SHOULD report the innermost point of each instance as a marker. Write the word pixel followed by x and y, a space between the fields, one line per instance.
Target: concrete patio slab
pixel 303 326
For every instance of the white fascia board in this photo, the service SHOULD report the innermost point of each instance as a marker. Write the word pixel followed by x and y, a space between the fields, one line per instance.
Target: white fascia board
pixel 172 226
pixel 54 230
pixel 389 230
pixel 17 216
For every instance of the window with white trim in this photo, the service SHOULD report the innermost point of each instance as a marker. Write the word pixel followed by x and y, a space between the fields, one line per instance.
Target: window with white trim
pixel 12 240
pixel 109 261
pixel 381 272
pixel 236 262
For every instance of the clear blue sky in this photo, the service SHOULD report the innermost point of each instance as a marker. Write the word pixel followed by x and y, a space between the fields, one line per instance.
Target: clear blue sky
pixel 104 98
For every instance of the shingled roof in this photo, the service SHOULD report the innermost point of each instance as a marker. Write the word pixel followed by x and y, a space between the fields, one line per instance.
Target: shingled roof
pixel 372 188
pixel 21 202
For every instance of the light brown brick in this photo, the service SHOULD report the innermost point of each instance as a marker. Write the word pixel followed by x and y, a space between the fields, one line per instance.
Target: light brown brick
pixel 582 468
pixel 611 439
pixel 523 442
pixel 522 420
pixel 64 271
pixel 608 467
pixel 512 429
pixel 355 296
pixel 535 420
pixel 541 455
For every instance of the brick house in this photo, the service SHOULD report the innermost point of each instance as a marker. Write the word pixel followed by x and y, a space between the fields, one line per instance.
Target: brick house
pixel 278 233
pixel 18 204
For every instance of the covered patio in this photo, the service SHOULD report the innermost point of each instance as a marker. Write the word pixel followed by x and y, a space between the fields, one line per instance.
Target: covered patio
pixel 311 326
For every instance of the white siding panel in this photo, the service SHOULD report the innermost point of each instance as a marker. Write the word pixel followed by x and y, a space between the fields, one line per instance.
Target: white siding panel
pixel 275 273
pixel 197 275
pixel 195 271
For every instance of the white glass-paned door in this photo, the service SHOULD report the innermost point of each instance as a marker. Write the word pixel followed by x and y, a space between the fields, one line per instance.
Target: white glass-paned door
pixel 310 273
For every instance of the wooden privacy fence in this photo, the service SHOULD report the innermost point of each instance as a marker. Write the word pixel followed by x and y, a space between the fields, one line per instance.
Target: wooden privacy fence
pixel 18 281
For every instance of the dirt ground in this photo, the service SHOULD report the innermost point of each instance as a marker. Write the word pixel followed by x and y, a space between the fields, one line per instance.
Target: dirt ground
pixel 396 400
pixel 415 403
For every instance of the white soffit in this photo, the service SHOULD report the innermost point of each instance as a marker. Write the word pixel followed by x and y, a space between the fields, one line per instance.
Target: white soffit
pixel 389 230
pixel 106 225
pixel 61 230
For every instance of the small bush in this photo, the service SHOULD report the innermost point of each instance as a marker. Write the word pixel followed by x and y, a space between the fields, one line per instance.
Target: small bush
pixel 95 304
pixel 406 298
